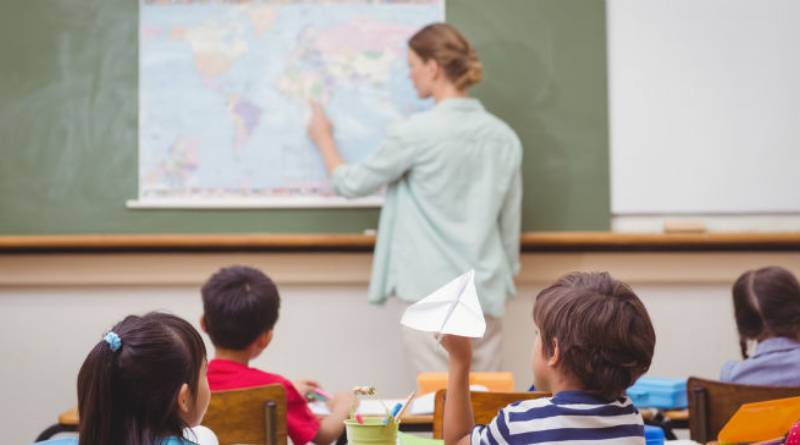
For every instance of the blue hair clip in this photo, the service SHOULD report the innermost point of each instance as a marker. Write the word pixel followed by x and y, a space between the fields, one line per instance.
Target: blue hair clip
pixel 113 340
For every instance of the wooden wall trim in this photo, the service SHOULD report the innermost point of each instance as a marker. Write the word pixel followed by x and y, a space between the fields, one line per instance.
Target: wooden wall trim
pixel 530 241
pixel 353 269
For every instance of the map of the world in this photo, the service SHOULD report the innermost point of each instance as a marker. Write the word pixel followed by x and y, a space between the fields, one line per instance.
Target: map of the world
pixel 224 91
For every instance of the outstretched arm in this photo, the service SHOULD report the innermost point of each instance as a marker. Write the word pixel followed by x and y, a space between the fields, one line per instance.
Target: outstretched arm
pixel 332 426
pixel 381 167
pixel 320 130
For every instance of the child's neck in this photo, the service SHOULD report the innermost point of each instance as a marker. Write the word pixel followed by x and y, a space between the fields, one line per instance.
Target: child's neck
pixel 559 384
pixel 234 355
pixel 555 389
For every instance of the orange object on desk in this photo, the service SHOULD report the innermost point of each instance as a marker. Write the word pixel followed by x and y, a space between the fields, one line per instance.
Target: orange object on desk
pixel 428 382
pixel 761 421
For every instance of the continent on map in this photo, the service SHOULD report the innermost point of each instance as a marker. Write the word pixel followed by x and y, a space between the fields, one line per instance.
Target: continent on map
pixel 178 166
pixel 362 52
pixel 246 116
pixel 215 46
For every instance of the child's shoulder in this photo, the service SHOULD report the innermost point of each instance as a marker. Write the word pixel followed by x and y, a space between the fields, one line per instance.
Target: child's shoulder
pixel 275 378
pixel 569 403
pixel 528 406
pixel 269 378
pixel 226 374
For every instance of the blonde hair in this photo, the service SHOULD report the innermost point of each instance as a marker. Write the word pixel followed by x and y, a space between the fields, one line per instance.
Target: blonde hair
pixel 448 47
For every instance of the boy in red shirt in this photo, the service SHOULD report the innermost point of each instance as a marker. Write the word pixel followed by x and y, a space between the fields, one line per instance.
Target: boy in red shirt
pixel 240 306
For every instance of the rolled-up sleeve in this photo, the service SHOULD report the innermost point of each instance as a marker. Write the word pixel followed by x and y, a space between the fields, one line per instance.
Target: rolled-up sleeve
pixel 385 165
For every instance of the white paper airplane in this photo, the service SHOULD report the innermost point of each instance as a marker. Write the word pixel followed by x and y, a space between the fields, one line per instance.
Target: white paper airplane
pixel 452 309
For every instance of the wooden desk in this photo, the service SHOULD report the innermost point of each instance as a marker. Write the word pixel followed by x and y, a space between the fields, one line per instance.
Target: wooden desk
pixel 675 415
pixel 69 418
pixel 417 423
pixel 418 420
pixel 667 420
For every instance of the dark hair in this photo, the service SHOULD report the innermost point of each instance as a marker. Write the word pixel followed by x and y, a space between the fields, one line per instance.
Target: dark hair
pixel 130 396
pixel 766 303
pixel 240 303
pixel 604 335
pixel 448 47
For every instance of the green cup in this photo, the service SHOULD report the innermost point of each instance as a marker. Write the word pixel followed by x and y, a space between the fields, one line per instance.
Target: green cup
pixel 371 432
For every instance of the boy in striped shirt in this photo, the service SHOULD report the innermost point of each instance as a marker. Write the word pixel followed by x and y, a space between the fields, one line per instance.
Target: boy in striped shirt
pixel 593 339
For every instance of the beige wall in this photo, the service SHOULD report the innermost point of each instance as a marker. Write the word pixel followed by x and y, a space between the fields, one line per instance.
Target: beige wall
pixel 53 308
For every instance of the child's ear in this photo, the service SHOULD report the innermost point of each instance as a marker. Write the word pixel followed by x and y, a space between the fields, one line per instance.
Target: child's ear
pixel 203 323
pixel 554 359
pixel 264 339
pixel 184 400
pixel 267 338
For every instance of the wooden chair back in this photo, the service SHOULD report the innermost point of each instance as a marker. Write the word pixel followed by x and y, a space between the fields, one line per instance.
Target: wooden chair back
pixel 713 403
pixel 252 416
pixel 485 406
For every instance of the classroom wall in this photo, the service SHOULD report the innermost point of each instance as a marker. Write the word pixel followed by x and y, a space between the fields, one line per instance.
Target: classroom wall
pixel 53 308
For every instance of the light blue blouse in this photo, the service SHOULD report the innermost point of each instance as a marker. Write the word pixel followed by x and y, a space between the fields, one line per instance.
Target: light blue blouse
pixel 776 362
pixel 452 203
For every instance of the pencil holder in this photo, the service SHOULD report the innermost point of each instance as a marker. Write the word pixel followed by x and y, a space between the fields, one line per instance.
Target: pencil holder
pixel 371 432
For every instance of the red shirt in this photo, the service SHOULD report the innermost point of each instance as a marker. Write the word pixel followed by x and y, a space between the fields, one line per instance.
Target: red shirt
pixel 227 374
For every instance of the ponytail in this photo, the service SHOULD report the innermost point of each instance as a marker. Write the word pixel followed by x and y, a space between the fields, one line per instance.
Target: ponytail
pixel 95 396
pixel 128 385
pixel 766 304
pixel 743 347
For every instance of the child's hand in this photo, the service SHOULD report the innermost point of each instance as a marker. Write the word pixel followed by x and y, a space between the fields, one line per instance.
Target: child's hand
pixel 459 348
pixel 343 402
pixel 305 386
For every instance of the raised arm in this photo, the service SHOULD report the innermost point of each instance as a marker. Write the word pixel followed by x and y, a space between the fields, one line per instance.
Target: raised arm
pixel 386 164
pixel 320 130
pixel 458 420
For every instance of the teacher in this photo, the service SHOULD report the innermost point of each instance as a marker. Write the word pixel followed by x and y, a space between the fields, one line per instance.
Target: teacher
pixel 453 194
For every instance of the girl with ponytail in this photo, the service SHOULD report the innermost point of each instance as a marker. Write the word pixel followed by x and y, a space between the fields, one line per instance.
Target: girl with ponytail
pixel 144 383
pixel 453 193
pixel 766 305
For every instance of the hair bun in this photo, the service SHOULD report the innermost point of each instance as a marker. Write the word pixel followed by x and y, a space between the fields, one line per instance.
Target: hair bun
pixel 474 72
pixel 451 50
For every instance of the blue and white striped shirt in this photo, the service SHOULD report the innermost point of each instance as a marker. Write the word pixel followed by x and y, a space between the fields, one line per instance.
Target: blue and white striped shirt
pixel 568 418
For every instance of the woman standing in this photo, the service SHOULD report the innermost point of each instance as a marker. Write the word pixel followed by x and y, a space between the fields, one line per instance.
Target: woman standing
pixel 453 194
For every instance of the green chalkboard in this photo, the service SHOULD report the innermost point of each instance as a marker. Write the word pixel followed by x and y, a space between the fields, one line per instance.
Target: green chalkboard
pixel 68 118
